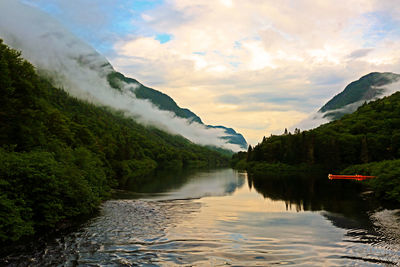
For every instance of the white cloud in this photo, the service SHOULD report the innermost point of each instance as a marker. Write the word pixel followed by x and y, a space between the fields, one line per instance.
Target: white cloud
pixel 261 46
pixel 81 71
pixel 319 118
pixel 309 49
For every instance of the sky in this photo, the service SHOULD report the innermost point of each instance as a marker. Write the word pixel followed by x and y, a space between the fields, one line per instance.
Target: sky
pixel 257 66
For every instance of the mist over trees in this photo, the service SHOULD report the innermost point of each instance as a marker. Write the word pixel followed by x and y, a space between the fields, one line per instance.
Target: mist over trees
pixel 59 156
pixel 370 134
pixel 362 142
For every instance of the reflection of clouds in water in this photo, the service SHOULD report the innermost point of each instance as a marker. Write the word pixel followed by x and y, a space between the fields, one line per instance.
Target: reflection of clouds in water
pixel 127 233
pixel 231 187
pixel 203 184
pixel 219 183
pixel 240 228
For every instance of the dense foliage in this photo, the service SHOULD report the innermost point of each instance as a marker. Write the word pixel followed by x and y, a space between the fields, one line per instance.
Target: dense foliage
pixel 165 102
pixel 59 156
pixel 371 134
pixel 387 186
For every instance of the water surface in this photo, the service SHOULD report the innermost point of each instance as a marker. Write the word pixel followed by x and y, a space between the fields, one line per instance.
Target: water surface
pixel 224 217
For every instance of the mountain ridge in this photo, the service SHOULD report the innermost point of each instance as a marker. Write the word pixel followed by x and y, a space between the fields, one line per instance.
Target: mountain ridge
pixel 368 87
pixel 366 141
pixel 167 103
pixel 70 63
pixel 60 155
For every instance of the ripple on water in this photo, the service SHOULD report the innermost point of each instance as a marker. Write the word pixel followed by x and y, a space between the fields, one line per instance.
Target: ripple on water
pixel 129 231
pixel 136 232
pixel 216 232
pixel 388 223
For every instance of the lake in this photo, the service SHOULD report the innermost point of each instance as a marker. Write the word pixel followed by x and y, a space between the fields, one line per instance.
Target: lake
pixel 225 217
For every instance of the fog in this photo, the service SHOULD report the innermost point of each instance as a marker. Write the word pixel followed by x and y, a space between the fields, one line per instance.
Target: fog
pixel 76 67
pixel 318 118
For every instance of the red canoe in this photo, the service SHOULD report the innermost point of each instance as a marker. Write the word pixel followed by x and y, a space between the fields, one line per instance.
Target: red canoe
pixel 350 177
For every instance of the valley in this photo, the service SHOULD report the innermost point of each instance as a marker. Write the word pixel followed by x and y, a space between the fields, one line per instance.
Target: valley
pixel 144 133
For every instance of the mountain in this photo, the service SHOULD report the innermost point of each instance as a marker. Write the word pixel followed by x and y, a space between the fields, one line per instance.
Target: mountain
pixel 165 102
pixel 59 155
pixel 372 133
pixel 231 136
pixel 70 63
pixel 367 88
pixel 365 142
pixel 161 100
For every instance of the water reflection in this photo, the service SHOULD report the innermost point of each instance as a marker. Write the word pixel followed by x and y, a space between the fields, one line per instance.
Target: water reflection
pixel 345 205
pixel 308 191
pixel 223 217
pixel 340 202
pixel 185 185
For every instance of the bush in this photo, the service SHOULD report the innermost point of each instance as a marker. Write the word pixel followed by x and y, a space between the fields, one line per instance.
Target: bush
pixel 386 185
pixel 38 192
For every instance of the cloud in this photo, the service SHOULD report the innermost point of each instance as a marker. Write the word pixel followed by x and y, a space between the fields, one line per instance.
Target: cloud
pixel 100 23
pixel 309 50
pixel 80 70
pixel 305 50
pixel 230 99
pixel 390 88
pixel 360 53
pixel 319 118
pixel 311 122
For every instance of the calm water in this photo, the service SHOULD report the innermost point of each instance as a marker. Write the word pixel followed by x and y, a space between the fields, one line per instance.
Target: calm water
pixel 224 217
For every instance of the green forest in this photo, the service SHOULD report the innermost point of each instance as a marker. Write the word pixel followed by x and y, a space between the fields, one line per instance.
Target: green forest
pixel 365 142
pixel 60 156
pixel 165 102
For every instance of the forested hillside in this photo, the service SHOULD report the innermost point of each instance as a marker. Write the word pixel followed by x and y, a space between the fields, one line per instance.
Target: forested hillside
pixel 161 100
pixel 371 134
pixel 165 102
pixel 367 88
pixel 59 156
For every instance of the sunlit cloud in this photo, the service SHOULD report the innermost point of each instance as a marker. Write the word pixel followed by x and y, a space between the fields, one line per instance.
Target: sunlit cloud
pixel 77 68
pixel 211 56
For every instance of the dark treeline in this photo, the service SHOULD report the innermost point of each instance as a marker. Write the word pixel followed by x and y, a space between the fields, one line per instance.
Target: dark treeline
pixel 60 156
pixel 371 134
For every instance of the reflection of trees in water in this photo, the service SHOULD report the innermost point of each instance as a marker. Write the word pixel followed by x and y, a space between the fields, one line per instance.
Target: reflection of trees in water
pixel 313 192
pixel 164 181
pixel 161 181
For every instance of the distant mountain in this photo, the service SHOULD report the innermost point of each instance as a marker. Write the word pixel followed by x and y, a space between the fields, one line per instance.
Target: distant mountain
pixel 70 63
pixel 165 102
pixel 232 136
pixel 365 142
pixel 367 88
pixel 161 100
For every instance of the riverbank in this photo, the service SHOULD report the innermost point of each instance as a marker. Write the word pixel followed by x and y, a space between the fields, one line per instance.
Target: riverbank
pixel 217 217
pixel 385 187
pixel 155 182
